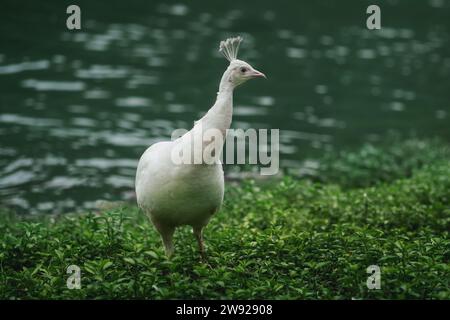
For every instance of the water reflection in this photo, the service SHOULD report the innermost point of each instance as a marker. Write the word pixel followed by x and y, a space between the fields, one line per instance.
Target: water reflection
pixel 24 66
pixel 79 108
pixel 41 85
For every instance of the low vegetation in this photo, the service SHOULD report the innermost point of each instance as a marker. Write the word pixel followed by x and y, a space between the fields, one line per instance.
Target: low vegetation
pixel 291 239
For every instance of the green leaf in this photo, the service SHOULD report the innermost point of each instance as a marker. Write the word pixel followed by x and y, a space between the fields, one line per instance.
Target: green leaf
pixel 107 265
pixel 151 254
pixel 130 261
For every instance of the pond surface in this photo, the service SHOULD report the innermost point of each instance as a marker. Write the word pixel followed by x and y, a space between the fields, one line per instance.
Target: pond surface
pixel 78 108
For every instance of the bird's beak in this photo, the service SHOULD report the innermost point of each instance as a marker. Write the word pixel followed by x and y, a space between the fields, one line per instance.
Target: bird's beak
pixel 257 74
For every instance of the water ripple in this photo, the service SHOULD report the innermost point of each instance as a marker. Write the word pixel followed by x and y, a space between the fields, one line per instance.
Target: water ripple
pixel 24 66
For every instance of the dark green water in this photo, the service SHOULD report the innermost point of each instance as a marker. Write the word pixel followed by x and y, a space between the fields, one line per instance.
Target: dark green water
pixel 78 108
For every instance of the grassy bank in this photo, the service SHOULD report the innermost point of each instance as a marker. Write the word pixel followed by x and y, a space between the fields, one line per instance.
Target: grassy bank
pixel 293 239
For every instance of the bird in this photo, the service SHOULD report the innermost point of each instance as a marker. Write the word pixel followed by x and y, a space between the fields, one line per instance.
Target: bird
pixel 173 193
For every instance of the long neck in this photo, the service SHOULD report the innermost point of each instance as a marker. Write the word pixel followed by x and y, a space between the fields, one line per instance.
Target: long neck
pixel 218 117
pixel 225 83
pixel 221 113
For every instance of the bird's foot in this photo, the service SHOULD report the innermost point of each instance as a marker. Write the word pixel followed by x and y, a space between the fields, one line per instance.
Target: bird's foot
pixel 206 263
pixel 204 260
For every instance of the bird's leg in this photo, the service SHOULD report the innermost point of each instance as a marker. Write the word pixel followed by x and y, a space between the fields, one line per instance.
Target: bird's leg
pixel 198 233
pixel 167 239
pixel 166 233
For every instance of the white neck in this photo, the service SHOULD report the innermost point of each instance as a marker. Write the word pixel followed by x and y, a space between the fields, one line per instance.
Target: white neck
pixel 225 83
pixel 221 113
pixel 218 116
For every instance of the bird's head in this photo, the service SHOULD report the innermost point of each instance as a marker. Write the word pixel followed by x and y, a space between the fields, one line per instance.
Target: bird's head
pixel 238 71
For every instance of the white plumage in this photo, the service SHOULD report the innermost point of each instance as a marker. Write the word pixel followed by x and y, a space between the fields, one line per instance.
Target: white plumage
pixel 174 194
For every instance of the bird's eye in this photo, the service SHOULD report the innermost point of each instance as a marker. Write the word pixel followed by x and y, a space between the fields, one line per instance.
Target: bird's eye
pixel 243 70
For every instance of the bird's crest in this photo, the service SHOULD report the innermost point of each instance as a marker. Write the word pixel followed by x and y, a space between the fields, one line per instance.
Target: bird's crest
pixel 230 47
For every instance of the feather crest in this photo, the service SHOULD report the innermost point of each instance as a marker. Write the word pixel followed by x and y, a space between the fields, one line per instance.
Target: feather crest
pixel 230 47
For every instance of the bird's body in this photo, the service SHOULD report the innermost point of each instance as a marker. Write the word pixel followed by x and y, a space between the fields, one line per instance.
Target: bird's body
pixel 174 193
pixel 177 194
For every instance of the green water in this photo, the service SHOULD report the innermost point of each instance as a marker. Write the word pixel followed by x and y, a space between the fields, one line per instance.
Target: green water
pixel 78 108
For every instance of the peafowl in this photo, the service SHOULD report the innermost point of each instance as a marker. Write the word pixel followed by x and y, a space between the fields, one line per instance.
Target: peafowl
pixel 173 193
